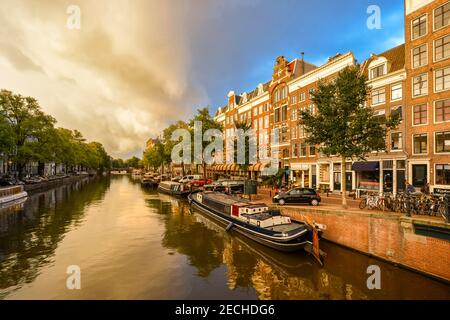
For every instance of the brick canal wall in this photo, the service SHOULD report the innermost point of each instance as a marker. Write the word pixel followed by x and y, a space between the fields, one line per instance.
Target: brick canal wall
pixel 53 183
pixel 390 237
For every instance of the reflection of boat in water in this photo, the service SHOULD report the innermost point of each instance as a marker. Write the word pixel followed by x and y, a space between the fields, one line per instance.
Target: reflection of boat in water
pixel 174 188
pixel 257 222
pixel 285 263
pixel 10 194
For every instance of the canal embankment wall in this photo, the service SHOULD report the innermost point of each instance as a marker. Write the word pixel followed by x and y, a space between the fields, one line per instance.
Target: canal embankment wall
pixel 420 244
pixel 54 183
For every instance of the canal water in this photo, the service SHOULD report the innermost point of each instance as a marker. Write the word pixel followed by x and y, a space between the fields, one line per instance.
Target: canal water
pixel 133 243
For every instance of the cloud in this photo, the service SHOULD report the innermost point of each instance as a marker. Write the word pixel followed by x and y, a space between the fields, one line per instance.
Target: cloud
pixel 120 79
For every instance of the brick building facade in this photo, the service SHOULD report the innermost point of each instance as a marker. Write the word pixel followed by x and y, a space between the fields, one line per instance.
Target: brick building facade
pixel 412 79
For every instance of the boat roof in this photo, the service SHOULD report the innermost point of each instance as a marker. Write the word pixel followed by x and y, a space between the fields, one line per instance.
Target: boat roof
pixel 232 200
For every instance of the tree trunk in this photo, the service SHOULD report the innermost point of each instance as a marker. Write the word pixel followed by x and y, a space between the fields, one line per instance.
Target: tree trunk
pixel 20 170
pixel 182 169
pixel 204 170
pixel 343 183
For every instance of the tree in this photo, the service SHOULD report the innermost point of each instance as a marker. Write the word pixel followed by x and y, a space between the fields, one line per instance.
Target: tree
pixel 133 162
pixel 30 127
pixel 154 156
pixel 344 125
pixel 245 127
pixel 208 123
pixel 169 144
pixel 6 137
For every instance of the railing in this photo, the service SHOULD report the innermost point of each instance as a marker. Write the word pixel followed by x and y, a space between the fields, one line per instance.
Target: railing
pixel 9 191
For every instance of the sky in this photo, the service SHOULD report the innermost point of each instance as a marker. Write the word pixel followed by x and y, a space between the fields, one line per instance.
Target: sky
pixel 134 67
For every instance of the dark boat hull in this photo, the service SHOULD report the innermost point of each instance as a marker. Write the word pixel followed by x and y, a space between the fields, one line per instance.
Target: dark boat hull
pixel 300 243
pixel 183 194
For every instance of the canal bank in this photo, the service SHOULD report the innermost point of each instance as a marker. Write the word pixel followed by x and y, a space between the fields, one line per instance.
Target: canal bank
pixel 56 182
pixel 419 244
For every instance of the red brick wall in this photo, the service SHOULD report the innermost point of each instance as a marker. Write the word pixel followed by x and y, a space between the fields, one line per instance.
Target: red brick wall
pixel 386 236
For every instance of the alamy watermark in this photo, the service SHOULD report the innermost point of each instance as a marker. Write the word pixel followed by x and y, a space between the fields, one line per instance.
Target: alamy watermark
pixel 74 18
pixel 374 20
pixel 374 280
pixel 251 148
pixel 73 281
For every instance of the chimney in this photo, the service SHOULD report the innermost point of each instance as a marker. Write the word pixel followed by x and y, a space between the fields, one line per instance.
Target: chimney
pixel 303 63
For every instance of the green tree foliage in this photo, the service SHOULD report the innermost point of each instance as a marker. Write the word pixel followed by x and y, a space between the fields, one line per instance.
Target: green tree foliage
pixel 208 122
pixel 343 125
pixel 154 156
pixel 133 162
pixel 244 126
pixel 169 144
pixel 28 134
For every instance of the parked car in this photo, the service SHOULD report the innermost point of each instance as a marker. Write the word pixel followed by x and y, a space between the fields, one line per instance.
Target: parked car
pixel 190 178
pixel 298 195
pixel 200 182
pixel 177 178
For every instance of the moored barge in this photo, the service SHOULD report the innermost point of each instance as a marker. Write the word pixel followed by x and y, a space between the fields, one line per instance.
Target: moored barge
pixel 174 188
pixel 10 194
pixel 257 222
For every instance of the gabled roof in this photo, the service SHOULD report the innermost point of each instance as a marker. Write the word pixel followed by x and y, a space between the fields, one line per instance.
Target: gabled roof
pixel 394 56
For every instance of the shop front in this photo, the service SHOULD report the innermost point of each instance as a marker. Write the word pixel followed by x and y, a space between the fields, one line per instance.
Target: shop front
pixel 301 175
pixel 367 176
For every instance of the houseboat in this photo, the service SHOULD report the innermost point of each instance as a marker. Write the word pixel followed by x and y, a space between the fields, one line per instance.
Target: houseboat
pixel 257 222
pixel 174 188
pixel 147 180
pixel 10 194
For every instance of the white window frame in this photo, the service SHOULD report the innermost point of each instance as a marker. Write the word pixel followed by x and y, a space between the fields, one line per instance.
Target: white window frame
pixel 434 17
pixel 434 112
pixel 434 50
pixel 428 85
pixel 412 56
pixel 428 143
pixel 397 150
pixel 412 115
pixel 384 65
pixel 434 80
pixel 379 103
pixel 397 84
pixel 426 25
pixel 435 143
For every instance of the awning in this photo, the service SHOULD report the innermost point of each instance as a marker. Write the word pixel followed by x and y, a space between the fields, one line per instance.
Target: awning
pixel 234 167
pixel 366 166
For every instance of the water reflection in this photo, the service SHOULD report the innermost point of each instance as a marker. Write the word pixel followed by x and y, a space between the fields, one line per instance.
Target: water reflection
pixel 31 231
pixel 134 243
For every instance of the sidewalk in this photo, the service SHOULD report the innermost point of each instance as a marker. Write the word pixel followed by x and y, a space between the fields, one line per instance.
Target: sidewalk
pixel 333 202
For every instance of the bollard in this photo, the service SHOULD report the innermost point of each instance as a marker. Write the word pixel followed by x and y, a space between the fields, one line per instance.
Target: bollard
pixel 408 205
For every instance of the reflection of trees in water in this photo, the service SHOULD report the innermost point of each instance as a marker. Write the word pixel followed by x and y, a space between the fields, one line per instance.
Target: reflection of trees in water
pixel 30 236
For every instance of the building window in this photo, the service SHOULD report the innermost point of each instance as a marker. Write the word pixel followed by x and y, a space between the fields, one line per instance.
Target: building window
pixel 442 79
pixel 420 143
pixel 255 112
pixel 420 85
pixel 302 96
pixel 420 56
pixel 442 142
pixel 294 150
pixel 255 124
pixel 396 92
pixel 397 110
pixel 419 27
pixel 442 16
pixel 301 131
pixel 294 133
pixel 266 107
pixel 312 150
pixel 442 111
pixel 377 71
pixel 378 96
pixel 420 114
pixel 266 122
pixel 285 153
pixel 442 48
pixel 293 114
pixel 277 115
pixel 443 174
pixel 284 113
pixel 302 149
pixel 396 141
pixel 293 99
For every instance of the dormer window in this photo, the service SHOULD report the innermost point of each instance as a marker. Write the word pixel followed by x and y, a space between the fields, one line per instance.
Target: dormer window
pixel 378 71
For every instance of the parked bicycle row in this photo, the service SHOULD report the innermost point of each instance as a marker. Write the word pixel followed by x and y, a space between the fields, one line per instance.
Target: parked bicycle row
pixel 408 203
